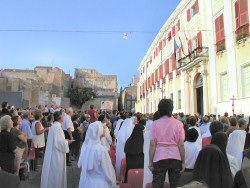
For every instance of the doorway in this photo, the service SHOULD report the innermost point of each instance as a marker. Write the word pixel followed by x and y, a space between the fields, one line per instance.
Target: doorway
pixel 199 100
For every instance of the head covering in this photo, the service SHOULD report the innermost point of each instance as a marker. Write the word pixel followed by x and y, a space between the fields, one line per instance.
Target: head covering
pixel 212 167
pixel 126 130
pixel 192 135
pixel 86 159
pixel 220 139
pixel 118 124
pixel 246 167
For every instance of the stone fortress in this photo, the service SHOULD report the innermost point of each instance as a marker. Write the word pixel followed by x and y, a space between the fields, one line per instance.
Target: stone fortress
pixel 38 86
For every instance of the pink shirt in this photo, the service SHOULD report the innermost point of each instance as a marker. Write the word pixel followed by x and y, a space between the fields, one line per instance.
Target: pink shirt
pixel 167 132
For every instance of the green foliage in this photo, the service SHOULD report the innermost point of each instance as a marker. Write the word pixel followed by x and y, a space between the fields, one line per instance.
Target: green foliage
pixel 78 96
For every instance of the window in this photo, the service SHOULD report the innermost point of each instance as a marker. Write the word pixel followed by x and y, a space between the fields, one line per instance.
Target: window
pixel 194 9
pixel 220 34
pixel 241 19
pixel 246 81
pixel 179 99
pixel 172 96
pixel 224 86
pixel 167 67
pixel 161 72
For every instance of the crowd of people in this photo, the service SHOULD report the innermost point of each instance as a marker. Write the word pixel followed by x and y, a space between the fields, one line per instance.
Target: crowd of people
pixel 183 150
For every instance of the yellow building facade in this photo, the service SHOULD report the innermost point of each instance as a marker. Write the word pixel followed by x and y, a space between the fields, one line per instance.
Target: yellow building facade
pixel 200 60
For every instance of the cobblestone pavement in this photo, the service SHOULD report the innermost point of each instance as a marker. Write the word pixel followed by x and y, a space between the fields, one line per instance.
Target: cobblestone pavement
pixel 73 177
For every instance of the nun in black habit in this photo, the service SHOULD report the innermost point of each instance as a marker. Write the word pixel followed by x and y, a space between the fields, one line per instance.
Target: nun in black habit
pixel 134 146
pixel 212 167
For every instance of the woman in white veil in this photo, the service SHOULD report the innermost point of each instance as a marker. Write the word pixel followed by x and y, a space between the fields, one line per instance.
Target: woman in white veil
pixel 123 134
pixel 97 169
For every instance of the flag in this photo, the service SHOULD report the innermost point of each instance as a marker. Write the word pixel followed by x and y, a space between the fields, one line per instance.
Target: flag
pixel 176 47
pixel 182 48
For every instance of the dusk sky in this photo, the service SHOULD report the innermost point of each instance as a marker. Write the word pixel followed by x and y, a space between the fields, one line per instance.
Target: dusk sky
pixel 89 34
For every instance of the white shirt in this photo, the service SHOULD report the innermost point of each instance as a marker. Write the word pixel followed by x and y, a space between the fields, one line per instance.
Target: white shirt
pixel 204 127
pixel 192 150
pixel 67 123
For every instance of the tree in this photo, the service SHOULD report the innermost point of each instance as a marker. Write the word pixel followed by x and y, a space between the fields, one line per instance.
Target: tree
pixel 78 96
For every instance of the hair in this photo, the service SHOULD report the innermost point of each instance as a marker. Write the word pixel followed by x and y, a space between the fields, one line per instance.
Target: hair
pixel 26 114
pixel 192 121
pixel 50 117
pixel 226 114
pixel 192 135
pixel 205 119
pixel 4 122
pixel 91 106
pixel 15 120
pixel 74 117
pixel 225 120
pixel 114 111
pixel 156 116
pixel 242 122
pixel 57 115
pixel 165 107
pixel 37 114
pixel 216 126
pixel 4 104
pixel 101 117
pixel 233 122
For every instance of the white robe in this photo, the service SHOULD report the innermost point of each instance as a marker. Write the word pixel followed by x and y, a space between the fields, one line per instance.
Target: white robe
pixel 236 142
pixel 148 176
pixel 117 127
pixel 107 140
pixel 192 150
pixel 54 165
pixel 123 135
pixel 234 164
pixel 97 169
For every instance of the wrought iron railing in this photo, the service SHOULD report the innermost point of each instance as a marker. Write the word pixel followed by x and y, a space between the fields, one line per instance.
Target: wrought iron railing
pixel 242 32
pixel 196 53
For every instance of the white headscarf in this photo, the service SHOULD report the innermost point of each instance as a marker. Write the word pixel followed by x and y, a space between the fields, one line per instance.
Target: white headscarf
pixel 86 159
pixel 126 130
pixel 118 124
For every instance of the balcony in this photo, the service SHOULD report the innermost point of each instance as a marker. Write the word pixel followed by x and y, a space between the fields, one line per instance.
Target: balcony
pixel 242 32
pixel 197 55
pixel 220 46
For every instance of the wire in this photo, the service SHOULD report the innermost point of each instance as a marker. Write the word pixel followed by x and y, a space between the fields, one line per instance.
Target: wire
pixel 74 31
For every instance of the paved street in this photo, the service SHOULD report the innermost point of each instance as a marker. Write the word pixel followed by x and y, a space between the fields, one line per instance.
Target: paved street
pixel 73 176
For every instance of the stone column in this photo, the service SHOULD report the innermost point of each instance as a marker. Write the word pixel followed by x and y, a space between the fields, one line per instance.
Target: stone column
pixel 174 90
pixel 186 93
pixel 166 88
pixel 156 95
pixel 205 89
pixel 229 35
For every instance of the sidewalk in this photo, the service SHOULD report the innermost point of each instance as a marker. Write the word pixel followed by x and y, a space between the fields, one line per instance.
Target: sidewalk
pixel 73 177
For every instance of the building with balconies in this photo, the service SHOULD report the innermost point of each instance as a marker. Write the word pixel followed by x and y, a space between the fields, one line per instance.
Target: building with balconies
pixel 199 59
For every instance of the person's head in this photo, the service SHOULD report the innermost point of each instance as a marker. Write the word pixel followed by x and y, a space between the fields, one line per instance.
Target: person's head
pixel 75 117
pixel 165 107
pixel 59 116
pixel 242 123
pixel 225 120
pixel 212 167
pixel 6 122
pixel 87 117
pixel 192 135
pixel 95 132
pixel 220 139
pixel 26 115
pixel 233 122
pixel 38 115
pixel 5 104
pixel 50 118
pixel 102 118
pixel 215 126
pixel 70 111
pixel 151 116
pixel 205 119
pixel 17 120
pixel 91 106
pixel 156 116
pixel 114 112
pixel 226 114
pixel 192 121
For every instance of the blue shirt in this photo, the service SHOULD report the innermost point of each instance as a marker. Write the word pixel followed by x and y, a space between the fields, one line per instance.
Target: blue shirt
pixel 25 127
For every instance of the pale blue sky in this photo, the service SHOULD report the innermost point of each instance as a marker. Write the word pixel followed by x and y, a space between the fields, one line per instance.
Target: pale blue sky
pixel 108 53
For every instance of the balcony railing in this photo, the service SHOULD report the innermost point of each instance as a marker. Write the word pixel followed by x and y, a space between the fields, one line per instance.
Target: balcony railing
pixel 196 53
pixel 242 32
pixel 220 46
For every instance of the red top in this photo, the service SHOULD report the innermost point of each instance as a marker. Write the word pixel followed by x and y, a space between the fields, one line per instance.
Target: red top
pixel 92 115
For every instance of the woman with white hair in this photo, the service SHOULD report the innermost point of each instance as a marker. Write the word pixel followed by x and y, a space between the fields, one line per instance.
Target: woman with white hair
pixel 97 169
pixel 7 145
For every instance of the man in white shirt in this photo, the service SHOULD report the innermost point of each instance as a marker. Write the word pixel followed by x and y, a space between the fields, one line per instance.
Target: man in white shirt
pixel 68 129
